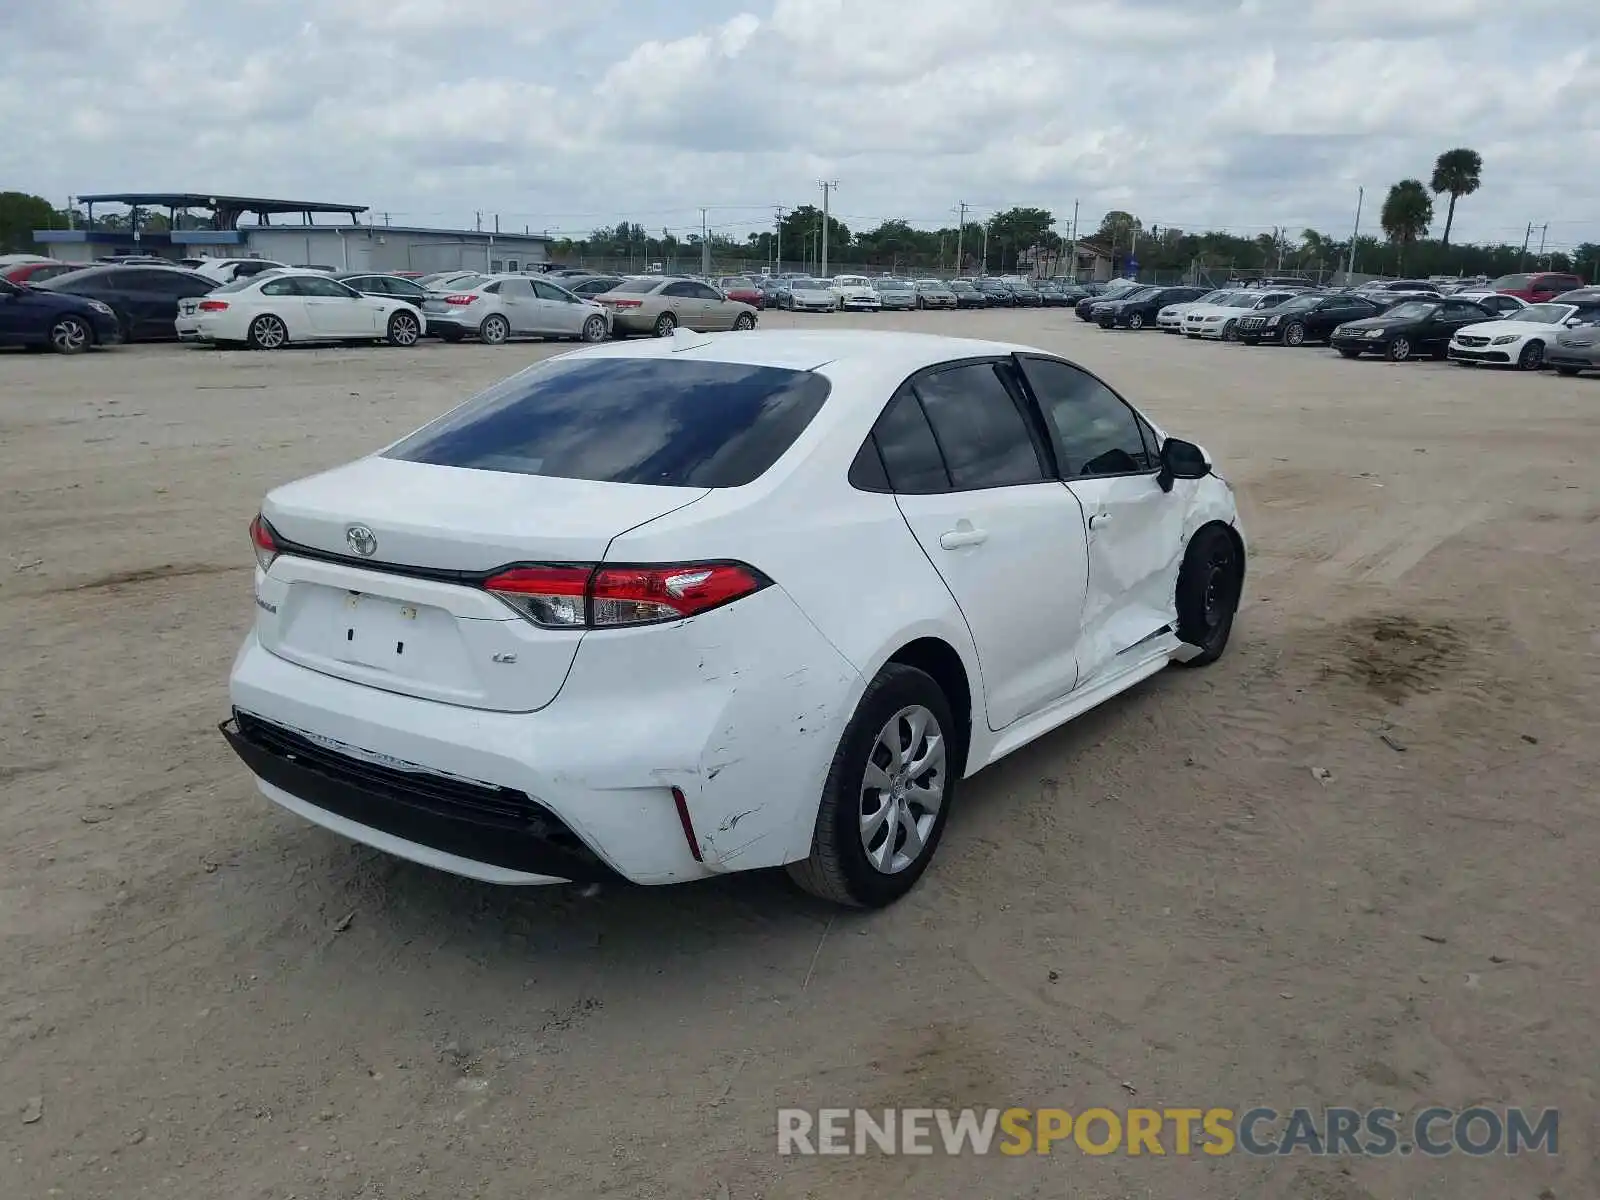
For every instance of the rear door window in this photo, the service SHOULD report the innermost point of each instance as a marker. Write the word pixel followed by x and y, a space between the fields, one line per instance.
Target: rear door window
pixel 979 426
pixel 911 457
pixel 627 420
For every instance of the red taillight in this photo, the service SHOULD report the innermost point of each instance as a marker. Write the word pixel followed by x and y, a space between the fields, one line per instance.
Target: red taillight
pixel 459 299
pixel 625 303
pixel 213 305
pixel 581 597
pixel 261 539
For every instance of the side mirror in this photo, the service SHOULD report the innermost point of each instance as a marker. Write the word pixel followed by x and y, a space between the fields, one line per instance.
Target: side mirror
pixel 1573 322
pixel 1181 460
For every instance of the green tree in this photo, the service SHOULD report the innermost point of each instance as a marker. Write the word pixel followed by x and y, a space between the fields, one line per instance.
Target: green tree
pixel 805 223
pixel 1407 213
pixel 1019 229
pixel 1457 172
pixel 20 215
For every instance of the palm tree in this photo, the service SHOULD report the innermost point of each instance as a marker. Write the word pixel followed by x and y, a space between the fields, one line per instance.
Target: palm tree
pixel 1407 213
pixel 1458 172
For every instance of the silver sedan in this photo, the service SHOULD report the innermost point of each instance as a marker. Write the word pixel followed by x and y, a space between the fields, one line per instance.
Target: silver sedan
pixel 507 306
pixel 659 304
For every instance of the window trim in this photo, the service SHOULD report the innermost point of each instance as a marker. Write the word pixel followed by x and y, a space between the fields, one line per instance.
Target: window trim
pixel 1140 422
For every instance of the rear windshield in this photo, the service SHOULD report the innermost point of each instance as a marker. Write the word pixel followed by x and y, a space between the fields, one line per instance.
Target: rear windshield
pixel 637 286
pixel 670 423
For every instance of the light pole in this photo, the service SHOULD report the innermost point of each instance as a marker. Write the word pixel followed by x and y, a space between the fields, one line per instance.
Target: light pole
pixel 985 269
pixel 1361 195
pixel 827 187
pixel 961 229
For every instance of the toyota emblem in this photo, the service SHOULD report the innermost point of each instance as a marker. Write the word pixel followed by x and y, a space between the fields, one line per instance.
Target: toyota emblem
pixel 362 540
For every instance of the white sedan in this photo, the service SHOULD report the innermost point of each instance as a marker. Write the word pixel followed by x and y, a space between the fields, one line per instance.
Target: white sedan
pixel 267 312
pixel 669 609
pixel 1220 318
pixel 1170 318
pixel 1520 339
pixel 855 292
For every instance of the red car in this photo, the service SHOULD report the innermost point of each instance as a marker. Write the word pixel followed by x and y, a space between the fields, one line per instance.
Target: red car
pixel 737 287
pixel 38 272
pixel 1536 288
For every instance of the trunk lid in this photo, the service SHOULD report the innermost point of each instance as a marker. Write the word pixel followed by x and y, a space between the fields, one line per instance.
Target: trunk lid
pixel 410 615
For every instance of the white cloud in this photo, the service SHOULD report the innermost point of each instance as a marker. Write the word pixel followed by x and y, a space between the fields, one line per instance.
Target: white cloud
pixel 1242 114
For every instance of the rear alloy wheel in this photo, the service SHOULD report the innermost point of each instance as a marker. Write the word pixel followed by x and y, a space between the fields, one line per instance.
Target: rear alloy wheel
pixel 594 329
pixel 267 332
pixel 1399 350
pixel 494 330
pixel 404 329
pixel 1532 356
pixel 745 322
pixel 1136 321
pixel 887 795
pixel 1209 583
pixel 70 335
pixel 1294 334
pixel 665 324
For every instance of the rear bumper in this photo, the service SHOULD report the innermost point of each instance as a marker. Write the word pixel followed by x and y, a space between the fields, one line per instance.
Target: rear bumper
pixel 716 717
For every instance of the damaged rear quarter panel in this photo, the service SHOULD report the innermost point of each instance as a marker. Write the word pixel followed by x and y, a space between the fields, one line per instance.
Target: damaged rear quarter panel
pixel 740 708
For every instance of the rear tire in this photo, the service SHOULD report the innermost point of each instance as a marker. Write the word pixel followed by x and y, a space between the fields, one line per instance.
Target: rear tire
pixel 665 324
pixel 494 331
pixel 841 868
pixel 267 332
pixel 1209 583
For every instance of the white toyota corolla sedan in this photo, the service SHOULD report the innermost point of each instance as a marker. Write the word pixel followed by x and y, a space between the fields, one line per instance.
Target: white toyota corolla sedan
pixel 270 310
pixel 663 610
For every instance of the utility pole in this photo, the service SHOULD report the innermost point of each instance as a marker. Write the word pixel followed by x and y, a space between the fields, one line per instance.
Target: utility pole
pixel 497 222
pixel 705 246
pixel 827 187
pixel 1542 232
pixel 1523 261
pixel 984 270
pixel 961 228
pixel 479 222
pixel 777 241
pixel 1361 195
pixel 72 215
pixel 1074 276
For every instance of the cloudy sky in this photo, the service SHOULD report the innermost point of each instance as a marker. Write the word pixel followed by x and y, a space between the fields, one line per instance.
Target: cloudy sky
pixel 1236 114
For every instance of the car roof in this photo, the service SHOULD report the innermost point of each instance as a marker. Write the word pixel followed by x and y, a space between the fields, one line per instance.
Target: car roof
pixel 807 349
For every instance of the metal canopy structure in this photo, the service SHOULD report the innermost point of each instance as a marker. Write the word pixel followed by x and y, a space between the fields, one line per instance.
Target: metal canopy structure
pixel 225 210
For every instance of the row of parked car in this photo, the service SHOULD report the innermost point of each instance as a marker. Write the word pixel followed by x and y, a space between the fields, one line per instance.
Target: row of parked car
pixel 1513 321
pixel 267 305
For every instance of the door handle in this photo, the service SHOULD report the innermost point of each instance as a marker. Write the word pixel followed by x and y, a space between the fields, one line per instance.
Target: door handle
pixel 961 536
pixel 1100 520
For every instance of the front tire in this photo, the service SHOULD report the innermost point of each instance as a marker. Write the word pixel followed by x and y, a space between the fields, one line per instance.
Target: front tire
pixel 1399 350
pixel 1230 331
pixel 1136 321
pixel 594 329
pixel 1294 334
pixel 70 335
pixel 745 323
pixel 1209 584
pixel 404 330
pixel 887 795
pixel 267 332
pixel 1532 356
pixel 665 324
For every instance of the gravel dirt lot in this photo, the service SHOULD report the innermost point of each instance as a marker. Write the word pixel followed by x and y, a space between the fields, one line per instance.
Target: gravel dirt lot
pixel 1352 864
